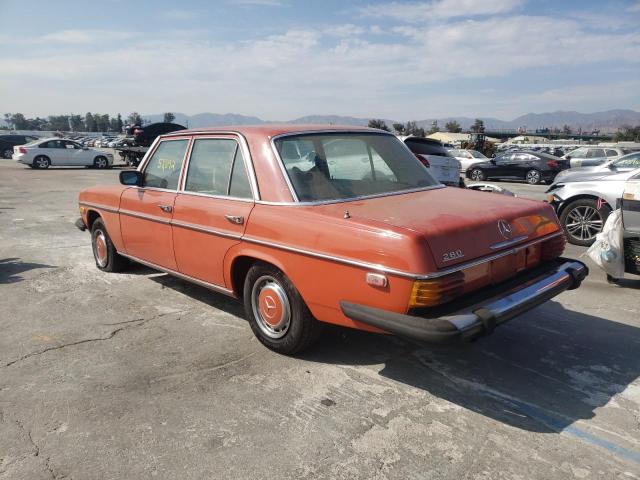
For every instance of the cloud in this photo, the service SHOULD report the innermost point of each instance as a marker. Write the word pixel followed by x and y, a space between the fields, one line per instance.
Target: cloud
pixel 78 37
pixel 259 3
pixel 440 9
pixel 178 14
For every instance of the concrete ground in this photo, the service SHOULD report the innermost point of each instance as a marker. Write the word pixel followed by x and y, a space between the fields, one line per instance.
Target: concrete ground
pixel 140 375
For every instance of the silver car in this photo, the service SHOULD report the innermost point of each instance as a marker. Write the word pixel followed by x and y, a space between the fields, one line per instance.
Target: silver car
pixel 593 156
pixel 583 201
pixel 623 164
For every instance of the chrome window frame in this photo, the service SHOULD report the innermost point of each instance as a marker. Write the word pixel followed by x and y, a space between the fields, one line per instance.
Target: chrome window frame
pixel 294 195
pixel 147 158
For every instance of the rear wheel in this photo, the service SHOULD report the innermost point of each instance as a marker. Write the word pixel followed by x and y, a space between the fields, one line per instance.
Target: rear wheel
pixel 100 162
pixel 41 162
pixel 7 153
pixel 105 254
pixel 582 220
pixel 477 175
pixel 533 177
pixel 277 313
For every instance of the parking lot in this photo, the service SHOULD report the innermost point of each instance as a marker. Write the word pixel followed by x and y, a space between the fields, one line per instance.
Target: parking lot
pixel 141 375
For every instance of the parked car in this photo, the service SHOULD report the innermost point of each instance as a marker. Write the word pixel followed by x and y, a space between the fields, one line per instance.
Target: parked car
pixel 432 154
pixel 532 167
pixel 56 152
pixel 593 156
pixel 340 225
pixel 583 201
pixel 7 142
pixel 467 158
pixel 626 163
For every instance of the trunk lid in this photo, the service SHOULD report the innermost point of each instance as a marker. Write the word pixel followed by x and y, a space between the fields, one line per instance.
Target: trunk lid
pixel 458 225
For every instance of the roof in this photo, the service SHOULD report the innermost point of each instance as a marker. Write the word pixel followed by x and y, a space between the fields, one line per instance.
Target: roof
pixel 271 130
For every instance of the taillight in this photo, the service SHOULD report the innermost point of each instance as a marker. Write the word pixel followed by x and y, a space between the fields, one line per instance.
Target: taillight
pixel 423 160
pixel 552 164
pixel 553 248
pixel 22 150
pixel 434 291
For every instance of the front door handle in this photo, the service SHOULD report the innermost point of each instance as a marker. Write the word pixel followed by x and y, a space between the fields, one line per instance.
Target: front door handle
pixel 235 219
pixel 166 208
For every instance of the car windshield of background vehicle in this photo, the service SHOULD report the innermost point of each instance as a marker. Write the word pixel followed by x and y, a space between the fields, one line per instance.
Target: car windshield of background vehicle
pixel 338 166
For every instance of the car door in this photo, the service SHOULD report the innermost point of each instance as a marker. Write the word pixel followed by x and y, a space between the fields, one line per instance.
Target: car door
pixel 631 205
pixel 502 166
pixel 212 208
pixel 146 211
pixel 75 153
pixel 55 150
pixel 595 157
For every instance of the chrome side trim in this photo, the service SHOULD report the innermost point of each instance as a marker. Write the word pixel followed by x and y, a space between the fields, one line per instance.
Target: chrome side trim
pixel 99 206
pixel 199 228
pixel 145 216
pixel 393 271
pixel 202 283
pixel 217 197
pixel 506 243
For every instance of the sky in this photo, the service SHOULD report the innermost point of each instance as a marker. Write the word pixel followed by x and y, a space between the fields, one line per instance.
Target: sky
pixel 282 59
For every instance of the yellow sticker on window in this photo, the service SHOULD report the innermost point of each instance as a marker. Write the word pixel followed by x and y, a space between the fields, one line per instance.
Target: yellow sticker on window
pixel 166 164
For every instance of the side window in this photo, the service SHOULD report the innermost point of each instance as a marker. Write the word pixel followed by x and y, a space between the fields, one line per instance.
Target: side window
pixel 163 169
pixel 611 153
pixel 239 185
pixel 595 153
pixel 210 166
pixel 630 161
pixel 69 145
pixel 578 153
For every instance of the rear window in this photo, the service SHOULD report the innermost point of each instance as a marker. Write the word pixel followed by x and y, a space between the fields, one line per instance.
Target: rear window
pixel 426 148
pixel 335 166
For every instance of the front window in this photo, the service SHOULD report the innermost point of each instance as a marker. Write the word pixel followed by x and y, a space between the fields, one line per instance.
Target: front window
pixel 629 161
pixel 339 166
pixel 163 169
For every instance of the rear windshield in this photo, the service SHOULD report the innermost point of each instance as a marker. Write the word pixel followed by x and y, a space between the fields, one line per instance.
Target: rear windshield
pixel 337 166
pixel 424 147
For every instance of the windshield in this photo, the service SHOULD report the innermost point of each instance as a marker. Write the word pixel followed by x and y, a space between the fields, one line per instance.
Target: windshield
pixel 336 166
pixel 476 154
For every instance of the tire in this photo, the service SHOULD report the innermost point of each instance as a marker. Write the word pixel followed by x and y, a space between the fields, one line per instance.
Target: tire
pixel 476 175
pixel 101 162
pixel 579 211
pixel 533 177
pixel 41 162
pixel 7 153
pixel 290 328
pixel 105 254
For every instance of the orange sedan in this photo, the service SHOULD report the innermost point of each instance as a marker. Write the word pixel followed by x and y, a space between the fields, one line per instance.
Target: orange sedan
pixel 324 224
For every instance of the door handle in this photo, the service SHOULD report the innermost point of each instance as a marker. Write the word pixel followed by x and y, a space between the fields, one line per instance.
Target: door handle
pixel 166 208
pixel 235 219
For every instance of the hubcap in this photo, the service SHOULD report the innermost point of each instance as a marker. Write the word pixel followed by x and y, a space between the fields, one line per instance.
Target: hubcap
pixel 533 176
pixel 584 223
pixel 42 163
pixel 270 306
pixel 476 175
pixel 8 153
pixel 101 162
pixel 100 248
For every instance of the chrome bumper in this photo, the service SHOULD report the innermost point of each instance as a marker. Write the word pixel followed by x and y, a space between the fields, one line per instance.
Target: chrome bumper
pixel 479 319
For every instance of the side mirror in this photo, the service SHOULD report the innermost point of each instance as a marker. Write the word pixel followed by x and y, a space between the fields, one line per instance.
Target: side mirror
pixel 85 148
pixel 612 167
pixel 493 161
pixel 568 157
pixel 131 178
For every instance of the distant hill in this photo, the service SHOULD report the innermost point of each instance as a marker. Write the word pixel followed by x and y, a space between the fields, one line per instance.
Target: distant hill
pixel 608 121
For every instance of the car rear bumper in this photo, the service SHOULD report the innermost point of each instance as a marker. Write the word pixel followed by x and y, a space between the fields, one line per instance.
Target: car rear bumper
pixel 480 318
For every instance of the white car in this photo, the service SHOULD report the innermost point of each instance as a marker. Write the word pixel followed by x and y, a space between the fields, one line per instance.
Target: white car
pixel 467 158
pixel 442 165
pixel 59 152
pixel 593 156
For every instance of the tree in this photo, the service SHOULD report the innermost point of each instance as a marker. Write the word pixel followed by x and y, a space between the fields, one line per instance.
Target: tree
pixel 399 128
pixel 627 133
pixel 411 128
pixel 18 121
pixel 566 129
pixel 169 117
pixel 434 127
pixel 119 123
pixel 76 122
pixel 134 118
pixel 58 122
pixel 453 127
pixel 478 126
pixel 379 124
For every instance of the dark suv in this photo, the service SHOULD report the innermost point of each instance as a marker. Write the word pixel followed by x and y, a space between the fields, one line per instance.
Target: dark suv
pixel 7 142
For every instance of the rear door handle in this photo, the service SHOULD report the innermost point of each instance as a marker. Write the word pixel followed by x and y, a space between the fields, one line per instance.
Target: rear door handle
pixel 166 208
pixel 235 219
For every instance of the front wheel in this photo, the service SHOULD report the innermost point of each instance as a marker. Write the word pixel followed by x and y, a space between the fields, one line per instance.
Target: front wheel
pixel 533 177
pixel 477 175
pixel 104 252
pixel 582 220
pixel 41 162
pixel 277 313
pixel 100 162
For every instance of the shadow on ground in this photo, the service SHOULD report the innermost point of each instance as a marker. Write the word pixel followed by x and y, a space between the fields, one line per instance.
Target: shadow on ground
pixel 11 268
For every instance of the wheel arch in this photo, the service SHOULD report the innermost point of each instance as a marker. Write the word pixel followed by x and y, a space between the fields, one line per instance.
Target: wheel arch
pixel 92 216
pixel 582 196
pixel 239 265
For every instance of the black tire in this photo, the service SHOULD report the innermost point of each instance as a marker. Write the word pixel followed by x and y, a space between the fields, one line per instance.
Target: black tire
pixel 587 209
pixel 101 162
pixel 105 254
pixel 298 330
pixel 476 175
pixel 7 153
pixel 42 162
pixel 533 177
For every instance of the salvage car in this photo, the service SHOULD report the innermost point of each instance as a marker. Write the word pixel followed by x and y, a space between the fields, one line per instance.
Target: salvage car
pixel 532 167
pixel 58 152
pixel 325 224
pixel 432 154
pixel 7 142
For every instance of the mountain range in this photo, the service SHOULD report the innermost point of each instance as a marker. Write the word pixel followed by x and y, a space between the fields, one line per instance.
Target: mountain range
pixel 607 121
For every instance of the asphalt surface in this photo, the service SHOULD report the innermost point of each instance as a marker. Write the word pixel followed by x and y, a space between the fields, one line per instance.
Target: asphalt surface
pixel 140 375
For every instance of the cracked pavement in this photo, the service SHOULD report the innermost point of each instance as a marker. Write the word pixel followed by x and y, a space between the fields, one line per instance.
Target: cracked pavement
pixel 140 375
